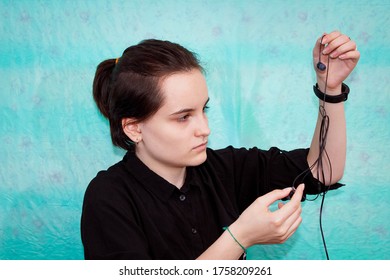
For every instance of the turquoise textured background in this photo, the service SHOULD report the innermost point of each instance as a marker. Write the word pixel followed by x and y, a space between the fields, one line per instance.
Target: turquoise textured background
pixel 259 71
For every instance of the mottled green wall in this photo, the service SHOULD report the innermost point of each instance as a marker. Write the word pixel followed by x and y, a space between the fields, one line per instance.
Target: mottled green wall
pixel 258 60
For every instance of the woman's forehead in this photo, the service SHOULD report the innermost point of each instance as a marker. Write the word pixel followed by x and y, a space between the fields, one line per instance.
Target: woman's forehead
pixel 184 89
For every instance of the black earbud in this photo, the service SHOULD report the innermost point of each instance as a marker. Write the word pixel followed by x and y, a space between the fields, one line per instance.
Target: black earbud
pixel 320 65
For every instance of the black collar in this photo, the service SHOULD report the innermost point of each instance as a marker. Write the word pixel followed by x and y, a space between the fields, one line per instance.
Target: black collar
pixel 153 182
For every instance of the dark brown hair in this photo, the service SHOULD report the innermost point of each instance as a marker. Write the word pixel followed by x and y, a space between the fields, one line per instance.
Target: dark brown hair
pixel 129 87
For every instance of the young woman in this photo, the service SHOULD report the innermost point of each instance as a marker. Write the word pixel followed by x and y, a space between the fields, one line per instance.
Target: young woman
pixel 171 197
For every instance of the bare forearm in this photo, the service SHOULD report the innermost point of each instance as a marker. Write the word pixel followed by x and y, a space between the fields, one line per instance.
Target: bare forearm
pixel 333 158
pixel 339 55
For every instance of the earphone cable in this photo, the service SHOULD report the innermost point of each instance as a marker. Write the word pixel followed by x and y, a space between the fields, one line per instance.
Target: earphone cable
pixel 322 155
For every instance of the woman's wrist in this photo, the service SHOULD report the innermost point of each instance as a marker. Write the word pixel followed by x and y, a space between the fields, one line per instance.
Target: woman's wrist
pixel 241 237
pixel 329 98
pixel 329 90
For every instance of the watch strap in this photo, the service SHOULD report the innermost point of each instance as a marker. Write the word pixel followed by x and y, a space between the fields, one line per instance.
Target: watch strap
pixel 332 98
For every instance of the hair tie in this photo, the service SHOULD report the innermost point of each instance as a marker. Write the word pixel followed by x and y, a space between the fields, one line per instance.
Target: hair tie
pixel 231 234
pixel 116 60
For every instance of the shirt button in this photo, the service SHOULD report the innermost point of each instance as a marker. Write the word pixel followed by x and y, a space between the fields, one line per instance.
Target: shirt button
pixel 194 231
pixel 182 197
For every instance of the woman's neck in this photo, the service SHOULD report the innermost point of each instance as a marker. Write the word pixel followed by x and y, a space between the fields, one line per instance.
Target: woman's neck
pixel 174 175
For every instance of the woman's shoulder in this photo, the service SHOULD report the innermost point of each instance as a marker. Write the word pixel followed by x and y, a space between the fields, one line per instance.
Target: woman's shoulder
pixel 109 182
pixel 228 157
pixel 233 153
pixel 242 152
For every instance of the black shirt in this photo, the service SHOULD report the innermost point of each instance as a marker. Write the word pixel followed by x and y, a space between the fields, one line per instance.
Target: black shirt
pixel 130 212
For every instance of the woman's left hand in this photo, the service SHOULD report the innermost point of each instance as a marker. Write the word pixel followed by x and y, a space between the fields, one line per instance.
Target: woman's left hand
pixel 343 57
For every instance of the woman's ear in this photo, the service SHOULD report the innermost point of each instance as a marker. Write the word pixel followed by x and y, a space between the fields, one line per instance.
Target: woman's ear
pixel 132 129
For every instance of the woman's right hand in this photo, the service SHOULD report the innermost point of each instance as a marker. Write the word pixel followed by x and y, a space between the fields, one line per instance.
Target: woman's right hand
pixel 258 225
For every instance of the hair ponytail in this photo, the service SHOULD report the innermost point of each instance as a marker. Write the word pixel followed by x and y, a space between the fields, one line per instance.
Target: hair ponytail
pixel 102 85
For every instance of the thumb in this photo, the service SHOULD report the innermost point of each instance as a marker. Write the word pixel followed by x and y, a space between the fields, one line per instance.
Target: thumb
pixel 273 196
pixel 317 48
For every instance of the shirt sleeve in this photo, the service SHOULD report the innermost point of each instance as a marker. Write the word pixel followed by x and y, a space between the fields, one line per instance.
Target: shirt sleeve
pixel 254 172
pixel 108 224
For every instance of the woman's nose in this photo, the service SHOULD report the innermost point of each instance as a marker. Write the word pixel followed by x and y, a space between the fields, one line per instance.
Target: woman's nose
pixel 203 127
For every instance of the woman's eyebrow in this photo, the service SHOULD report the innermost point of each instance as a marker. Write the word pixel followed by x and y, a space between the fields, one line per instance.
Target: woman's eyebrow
pixel 188 110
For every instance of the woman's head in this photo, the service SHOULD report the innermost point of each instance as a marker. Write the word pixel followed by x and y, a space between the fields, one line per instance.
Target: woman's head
pixel 129 88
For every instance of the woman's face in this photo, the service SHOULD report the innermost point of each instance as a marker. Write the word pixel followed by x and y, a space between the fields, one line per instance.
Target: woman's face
pixel 176 135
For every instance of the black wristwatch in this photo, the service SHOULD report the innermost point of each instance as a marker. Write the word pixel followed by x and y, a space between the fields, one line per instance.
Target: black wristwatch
pixel 332 98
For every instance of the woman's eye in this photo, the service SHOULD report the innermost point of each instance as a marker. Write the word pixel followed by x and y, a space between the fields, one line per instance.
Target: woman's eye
pixel 205 109
pixel 183 118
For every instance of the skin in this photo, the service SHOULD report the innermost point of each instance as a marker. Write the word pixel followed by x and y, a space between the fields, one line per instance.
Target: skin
pixel 344 56
pixel 176 137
